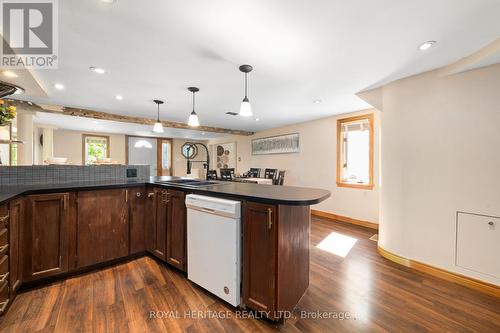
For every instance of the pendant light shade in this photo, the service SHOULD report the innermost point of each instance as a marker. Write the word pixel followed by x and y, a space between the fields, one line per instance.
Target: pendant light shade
pixel 158 127
pixel 246 108
pixel 193 117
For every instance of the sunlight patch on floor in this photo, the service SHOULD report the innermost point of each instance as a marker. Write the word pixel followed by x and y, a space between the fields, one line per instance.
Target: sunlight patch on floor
pixel 337 244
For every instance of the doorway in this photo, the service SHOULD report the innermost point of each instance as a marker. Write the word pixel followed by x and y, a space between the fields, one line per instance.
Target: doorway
pixel 155 152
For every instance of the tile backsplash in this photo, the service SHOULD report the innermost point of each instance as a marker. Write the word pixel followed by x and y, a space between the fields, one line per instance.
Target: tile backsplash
pixel 57 174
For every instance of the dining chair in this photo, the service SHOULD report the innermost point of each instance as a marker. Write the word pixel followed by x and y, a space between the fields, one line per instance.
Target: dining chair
pixel 227 174
pixel 212 175
pixel 254 172
pixel 270 173
pixel 280 179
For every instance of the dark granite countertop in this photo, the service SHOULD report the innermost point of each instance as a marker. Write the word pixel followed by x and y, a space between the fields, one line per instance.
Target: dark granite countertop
pixel 285 195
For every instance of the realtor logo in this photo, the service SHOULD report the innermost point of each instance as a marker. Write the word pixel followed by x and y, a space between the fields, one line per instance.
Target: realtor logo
pixel 29 30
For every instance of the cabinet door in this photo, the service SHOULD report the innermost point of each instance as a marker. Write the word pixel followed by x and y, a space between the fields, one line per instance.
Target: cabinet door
pixel 478 243
pixel 156 230
pixel 16 218
pixel 102 224
pixel 176 229
pixel 44 236
pixel 137 203
pixel 259 260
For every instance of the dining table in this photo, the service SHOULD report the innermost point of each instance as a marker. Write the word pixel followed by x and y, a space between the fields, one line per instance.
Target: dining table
pixel 255 180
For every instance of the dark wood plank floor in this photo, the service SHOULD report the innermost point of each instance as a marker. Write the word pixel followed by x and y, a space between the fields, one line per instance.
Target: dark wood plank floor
pixel 379 295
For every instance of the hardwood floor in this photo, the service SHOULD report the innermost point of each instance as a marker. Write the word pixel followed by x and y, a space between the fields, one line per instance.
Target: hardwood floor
pixel 379 295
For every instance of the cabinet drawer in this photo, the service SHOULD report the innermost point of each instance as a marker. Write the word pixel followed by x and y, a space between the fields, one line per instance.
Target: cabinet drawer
pixel 4 296
pixel 478 243
pixel 4 291
pixel 4 266
pixel 4 237
pixel 4 218
pixel 4 249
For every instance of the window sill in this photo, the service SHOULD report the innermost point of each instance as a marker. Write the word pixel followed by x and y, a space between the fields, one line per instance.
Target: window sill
pixel 360 186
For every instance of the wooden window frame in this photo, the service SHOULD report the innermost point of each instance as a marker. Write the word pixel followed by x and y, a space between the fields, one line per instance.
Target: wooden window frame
pixel 108 146
pixel 340 183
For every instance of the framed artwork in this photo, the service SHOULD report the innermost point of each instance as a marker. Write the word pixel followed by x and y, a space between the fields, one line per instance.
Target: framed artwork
pixel 280 144
pixel 225 155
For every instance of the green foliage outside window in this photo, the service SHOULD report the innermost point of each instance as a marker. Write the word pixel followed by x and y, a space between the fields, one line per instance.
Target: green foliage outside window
pixel 96 148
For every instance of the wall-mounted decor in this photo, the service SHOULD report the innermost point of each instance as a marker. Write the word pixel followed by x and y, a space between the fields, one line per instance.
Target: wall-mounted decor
pixel 225 155
pixel 281 144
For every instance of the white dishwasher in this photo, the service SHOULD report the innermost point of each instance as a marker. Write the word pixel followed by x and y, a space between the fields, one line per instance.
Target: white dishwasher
pixel 213 245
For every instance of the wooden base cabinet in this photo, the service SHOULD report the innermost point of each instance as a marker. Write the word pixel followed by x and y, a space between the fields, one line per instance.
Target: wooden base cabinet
pixel 259 259
pixel 275 283
pixel 102 226
pixel 44 236
pixel 5 294
pixel 166 226
pixel 176 229
pixel 16 210
pixel 156 223
pixel 136 215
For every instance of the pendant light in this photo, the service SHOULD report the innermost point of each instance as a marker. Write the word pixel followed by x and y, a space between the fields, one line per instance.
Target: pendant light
pixel 246 108
pixel 193 117
pixel 158 127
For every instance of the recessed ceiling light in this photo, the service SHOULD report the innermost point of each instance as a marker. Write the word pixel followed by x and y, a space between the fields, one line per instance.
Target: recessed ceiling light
pixel 119 97
pixel 317 101
pixel 10 74
pixel 427 45
pixel 97 70
pixel 59 86
pixel 257 119
pixel 108 1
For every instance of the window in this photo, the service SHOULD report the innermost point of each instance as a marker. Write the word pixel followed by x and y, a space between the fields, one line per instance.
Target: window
pixel 164 157
pixel 94 148
pixel 355 152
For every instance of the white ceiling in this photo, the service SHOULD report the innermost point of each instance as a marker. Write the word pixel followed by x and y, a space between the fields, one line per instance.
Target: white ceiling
pixel 106 126
pixel 300 50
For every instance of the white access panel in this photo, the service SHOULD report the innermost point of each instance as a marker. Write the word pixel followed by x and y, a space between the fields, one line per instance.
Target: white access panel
pixel 478 243
pixel 213 246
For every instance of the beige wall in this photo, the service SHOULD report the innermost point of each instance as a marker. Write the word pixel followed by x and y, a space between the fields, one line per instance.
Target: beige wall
pixel 315 165
pixel 440 155
pixel 179 162
pixel 69 144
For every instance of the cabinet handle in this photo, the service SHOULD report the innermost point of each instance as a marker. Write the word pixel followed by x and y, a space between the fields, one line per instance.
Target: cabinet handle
pixel 151 194
pixel 65 201
pixel 138 194
pixel 4 218
pixel 269 218
pixel 491 223
pixel 126 196
pixel 4 277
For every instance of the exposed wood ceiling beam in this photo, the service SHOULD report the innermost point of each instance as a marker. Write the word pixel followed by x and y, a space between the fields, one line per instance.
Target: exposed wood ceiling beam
pixel 77 112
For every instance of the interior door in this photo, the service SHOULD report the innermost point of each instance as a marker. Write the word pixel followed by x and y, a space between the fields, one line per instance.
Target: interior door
pixel 143 150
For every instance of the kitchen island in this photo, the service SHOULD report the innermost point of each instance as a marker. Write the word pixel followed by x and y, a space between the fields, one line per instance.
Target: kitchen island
pixel 56 230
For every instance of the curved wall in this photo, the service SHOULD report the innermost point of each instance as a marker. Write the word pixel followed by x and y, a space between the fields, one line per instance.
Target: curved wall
pixel 440 153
